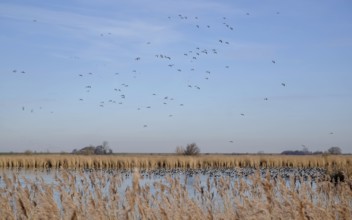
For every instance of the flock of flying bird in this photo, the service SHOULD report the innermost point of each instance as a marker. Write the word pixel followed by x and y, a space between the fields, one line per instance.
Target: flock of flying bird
pixel 119 93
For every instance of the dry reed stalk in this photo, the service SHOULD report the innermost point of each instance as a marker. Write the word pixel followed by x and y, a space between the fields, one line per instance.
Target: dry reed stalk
pixel 173 161
pixel 6 210
pixel 95 195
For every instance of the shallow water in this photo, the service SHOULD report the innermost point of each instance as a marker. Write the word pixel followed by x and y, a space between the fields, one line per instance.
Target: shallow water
pixel 216 186
pixel 186 176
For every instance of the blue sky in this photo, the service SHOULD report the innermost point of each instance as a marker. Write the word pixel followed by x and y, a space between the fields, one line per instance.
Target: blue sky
pixel 148 76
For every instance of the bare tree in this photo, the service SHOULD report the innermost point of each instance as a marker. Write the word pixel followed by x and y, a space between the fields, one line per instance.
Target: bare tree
pixel 99 150
pixel 86 150
pixel 192 149
pixel 180 150
pixel 305 149
pixel 103 149
pixel 334 150
pixel 28 152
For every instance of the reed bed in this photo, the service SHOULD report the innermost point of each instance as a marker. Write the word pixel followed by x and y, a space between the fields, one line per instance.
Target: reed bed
pixel 172 161
pixel 97 195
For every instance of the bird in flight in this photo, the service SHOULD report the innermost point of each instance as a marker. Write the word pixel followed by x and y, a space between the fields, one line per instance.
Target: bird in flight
pixel 266 99
pixel 283 84
pixel 242 114
pixel 273 61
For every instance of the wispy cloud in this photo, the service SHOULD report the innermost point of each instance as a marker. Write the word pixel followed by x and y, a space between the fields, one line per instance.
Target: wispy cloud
pixel 89 24
pixel 98 31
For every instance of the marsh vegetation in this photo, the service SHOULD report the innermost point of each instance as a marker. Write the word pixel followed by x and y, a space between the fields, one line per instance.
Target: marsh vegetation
pixel 175 187
pixel 141 195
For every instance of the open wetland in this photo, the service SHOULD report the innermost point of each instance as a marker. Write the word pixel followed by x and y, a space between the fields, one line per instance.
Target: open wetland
pixel 176 193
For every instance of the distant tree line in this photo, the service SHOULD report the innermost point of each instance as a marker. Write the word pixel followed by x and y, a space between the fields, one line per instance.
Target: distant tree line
pixel 94 150
pixel 191 149
pixel 305 151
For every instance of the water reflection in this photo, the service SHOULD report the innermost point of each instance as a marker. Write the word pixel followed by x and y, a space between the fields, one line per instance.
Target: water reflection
pixel 204 178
